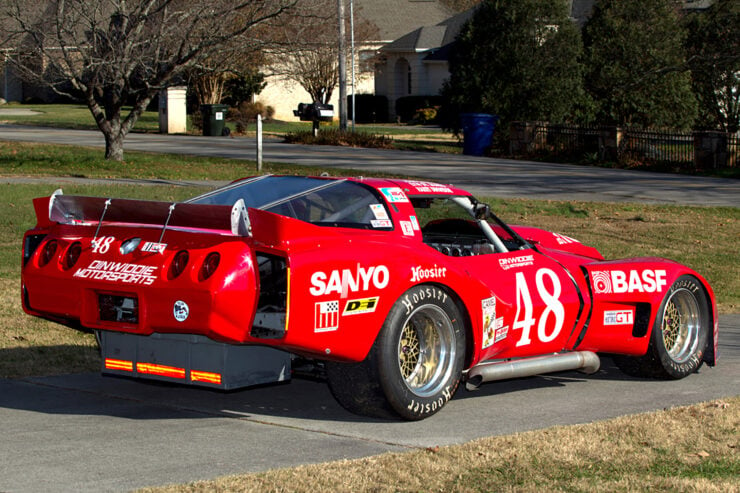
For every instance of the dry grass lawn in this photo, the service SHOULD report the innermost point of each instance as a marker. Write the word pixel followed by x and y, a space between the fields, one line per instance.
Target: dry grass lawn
pixel 685 449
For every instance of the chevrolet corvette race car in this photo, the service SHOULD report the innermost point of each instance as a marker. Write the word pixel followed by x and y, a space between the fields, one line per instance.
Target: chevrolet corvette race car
pixel 396 290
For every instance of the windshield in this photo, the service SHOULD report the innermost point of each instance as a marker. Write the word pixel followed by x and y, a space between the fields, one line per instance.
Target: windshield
pixel 449 225
pixel 336 203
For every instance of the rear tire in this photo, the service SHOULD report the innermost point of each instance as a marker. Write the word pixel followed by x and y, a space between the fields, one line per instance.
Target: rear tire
pixel 415 364
pixel 679 336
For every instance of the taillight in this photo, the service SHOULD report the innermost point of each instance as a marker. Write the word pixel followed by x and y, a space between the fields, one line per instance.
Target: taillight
pixel 48 253
pixel 72 255
pixel 210 264
pixel 179 263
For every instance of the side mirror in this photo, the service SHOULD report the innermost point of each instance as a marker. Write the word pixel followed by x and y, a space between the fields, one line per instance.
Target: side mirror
pixel 482 211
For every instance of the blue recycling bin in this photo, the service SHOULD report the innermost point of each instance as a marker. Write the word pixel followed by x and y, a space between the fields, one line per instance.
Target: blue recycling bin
pixel 477 132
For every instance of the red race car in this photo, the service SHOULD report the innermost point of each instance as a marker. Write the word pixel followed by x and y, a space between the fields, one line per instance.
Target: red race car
pixel 397 290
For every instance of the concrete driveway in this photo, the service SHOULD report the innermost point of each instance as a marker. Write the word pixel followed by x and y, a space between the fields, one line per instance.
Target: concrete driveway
pixel 481 176
pixel 92 433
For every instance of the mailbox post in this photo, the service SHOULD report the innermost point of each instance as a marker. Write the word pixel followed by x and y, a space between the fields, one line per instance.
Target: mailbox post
pixel 316 113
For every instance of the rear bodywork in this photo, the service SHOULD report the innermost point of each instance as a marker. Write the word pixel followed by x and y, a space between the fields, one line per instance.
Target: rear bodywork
pixel 223 295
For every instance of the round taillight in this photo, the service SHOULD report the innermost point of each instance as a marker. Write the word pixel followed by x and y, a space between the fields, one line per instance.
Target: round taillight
pixel 48 253
pixel 210 264
pixel 72 255
pixel 179 263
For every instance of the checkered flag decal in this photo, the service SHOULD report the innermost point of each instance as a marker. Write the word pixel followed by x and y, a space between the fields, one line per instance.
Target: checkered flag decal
pixel 326 316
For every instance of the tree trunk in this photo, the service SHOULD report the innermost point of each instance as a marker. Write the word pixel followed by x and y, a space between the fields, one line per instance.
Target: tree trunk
pixel 114 147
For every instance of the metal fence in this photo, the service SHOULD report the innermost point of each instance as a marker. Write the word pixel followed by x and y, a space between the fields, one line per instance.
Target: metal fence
pixel 675 149
pixel 657 147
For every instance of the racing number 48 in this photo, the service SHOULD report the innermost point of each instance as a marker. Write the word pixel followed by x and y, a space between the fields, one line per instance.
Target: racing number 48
pixel 553 308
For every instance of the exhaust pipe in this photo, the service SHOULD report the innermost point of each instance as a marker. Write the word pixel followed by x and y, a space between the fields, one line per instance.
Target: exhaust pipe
pixel 585 361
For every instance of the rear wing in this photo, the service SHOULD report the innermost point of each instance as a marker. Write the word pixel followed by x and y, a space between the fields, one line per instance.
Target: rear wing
pixel 70 209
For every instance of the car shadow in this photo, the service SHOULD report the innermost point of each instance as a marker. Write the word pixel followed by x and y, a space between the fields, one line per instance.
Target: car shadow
pixel 302 398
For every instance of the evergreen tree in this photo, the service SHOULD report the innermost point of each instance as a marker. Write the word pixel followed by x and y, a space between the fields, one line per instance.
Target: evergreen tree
pixel 713 50
pixel 517 59
pixel 635 64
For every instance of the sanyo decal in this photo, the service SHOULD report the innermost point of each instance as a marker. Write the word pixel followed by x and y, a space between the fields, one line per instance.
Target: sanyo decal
pixel 347 281
pixel 617 281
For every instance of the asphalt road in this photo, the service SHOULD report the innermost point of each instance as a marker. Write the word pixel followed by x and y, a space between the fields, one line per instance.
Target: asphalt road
pixel 481 176
pixel 92 433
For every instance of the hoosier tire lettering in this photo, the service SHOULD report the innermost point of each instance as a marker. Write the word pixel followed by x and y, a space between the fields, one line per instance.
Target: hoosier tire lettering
pixel 679 337
pixel 415 364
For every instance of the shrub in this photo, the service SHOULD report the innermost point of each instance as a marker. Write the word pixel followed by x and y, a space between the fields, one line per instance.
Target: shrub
pixel 408 106
pixel 370 108
pixel 247 112
pixel 338 138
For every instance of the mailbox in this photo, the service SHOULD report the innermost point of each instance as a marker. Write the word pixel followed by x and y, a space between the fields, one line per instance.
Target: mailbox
pixel 315 112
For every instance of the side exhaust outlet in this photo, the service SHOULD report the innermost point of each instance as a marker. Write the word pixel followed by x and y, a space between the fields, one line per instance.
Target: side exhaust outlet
pixel 585 361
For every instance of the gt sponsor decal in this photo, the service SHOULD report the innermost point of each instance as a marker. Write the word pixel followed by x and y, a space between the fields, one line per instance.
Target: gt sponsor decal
pixel 363 305
pixel 118 272
pixel 153 247
pixel 421 274
pixel 488 307
pixel 326 316
pixel 379 211
pixel 346 281
pixel 617 281
pixel 429 187
pixel 408 228
pixel 619 317
pixel 180 311
pixel 512 262
pixel 394 194
pixel 381 223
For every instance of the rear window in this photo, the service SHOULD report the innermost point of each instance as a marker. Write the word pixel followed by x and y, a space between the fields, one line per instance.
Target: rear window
pixel 322 202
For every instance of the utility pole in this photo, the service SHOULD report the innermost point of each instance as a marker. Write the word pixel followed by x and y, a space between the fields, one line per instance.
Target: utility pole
pixel 352 56
pixel 342 69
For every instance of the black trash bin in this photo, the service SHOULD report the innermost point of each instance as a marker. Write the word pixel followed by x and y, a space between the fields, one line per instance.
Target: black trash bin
pixel 214 118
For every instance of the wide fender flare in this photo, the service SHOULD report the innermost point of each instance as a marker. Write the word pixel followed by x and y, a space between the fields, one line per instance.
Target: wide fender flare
pixel 647 280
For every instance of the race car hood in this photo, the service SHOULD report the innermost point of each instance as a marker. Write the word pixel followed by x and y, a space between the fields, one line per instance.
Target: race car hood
pixel 556 241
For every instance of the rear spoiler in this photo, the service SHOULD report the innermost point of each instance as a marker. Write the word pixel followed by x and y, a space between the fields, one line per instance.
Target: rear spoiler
pixel 70 209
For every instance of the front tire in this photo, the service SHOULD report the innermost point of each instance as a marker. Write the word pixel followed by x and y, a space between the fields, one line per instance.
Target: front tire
pixel 416 363
pixel 679 336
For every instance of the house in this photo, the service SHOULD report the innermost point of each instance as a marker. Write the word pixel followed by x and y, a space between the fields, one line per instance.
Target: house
pixel 393 19
pixel 416 64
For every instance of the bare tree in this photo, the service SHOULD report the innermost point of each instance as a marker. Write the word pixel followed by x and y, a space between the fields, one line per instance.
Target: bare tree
pixel 112 53
pixel 308 51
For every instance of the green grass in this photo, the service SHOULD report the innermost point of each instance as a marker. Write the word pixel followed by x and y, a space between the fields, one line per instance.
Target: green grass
pixel 78 116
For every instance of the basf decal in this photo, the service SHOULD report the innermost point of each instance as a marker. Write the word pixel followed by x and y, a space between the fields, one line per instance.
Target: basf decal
pixel 326 316
pixel 617 281
pixel 347 281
